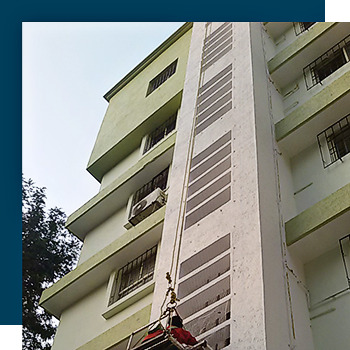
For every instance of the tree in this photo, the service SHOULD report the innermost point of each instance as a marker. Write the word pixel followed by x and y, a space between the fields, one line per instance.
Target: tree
pixel 49 252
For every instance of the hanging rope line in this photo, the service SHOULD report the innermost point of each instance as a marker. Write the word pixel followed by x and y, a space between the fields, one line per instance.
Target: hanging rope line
pixel 181 216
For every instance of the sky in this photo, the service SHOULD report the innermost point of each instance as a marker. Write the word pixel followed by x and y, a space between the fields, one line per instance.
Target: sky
pixel 66 70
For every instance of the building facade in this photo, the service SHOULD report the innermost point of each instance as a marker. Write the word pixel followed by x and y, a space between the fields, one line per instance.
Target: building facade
pixel 224 159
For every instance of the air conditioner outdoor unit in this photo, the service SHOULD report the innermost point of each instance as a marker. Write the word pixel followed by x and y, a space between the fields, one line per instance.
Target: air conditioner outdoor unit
pixel 147 206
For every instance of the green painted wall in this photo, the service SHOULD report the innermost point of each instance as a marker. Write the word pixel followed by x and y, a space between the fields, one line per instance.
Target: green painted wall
pixel 157 151
pixel 119 332
pixel 89 265
pixel 129 108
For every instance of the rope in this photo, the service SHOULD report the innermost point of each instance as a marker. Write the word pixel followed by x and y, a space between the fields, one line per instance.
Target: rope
pixel 181 215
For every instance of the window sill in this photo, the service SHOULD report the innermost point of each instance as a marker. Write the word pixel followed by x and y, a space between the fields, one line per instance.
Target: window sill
pixel 128 300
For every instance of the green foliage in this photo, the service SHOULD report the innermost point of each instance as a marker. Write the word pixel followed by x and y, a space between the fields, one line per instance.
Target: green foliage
pixel 49 252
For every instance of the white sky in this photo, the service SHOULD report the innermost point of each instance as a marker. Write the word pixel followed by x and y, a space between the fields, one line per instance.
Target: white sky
pixel 67 68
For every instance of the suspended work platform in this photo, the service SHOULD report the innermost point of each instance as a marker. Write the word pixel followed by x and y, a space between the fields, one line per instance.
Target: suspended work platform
pixel 161 337
pixel 167 342
pixel 164 341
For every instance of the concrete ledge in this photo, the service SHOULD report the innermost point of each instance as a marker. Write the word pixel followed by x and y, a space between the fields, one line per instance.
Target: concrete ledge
pixel 298 45
pixel 318 215
pixel 119 332
pixel 94 271
pixel 130 136
pixel 79 214
pixel 129 299
pixel 325 98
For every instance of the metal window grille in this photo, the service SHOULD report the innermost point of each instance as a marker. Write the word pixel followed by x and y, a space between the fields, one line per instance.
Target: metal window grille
pixel 134 274
pixel 334 142
pixel 162 77
pixel 158 181
pixel 345 253
pixel 328 63
pixel 158 134
pixel 301 27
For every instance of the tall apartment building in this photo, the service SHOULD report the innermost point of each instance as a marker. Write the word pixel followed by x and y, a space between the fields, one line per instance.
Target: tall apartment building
pixel 223 159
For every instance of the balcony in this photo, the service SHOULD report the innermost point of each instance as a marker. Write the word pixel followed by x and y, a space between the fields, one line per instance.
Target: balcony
pixel 116 195
pixel 299 129
pixel 319 228
pixel 305 49
pixel 96 270
pixel 160 133
pixel 327 63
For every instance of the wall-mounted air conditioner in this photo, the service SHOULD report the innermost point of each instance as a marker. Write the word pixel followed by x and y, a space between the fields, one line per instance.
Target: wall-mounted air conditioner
pixel 147 206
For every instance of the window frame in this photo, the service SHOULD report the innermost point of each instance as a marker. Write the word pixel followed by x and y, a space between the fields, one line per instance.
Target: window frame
pixel 115 292
pixel 330 60
pixel 162 77
pixel 330 139
pixel 163 130
pixel 302 27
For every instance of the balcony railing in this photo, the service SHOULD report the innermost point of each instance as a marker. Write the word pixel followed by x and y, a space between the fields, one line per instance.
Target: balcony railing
pixel 300 27
pixel 334 142
pixel 158 181
pixel 328 63
pixel 158 134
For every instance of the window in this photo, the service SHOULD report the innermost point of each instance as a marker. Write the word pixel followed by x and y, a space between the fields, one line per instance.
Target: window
pixel 158 181
pixel 334 142
pixel 162 77
pixel 328 63
pixel 345 254
pixel 300 27
pixel 158 134
pixel 134 274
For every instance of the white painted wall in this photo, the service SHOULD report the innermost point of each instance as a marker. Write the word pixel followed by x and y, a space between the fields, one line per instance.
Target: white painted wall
pixel 275 303
pixel 286 296
pixel 288 203
pixel 307 168
pixel 287 315
pixel 274 46
pixel 325 276
pixel 297 291
pixel 241 216
pixel 285 39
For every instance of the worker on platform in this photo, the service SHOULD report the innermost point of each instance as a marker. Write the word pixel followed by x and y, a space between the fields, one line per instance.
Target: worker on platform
pixel 176 330
pixel 180 334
